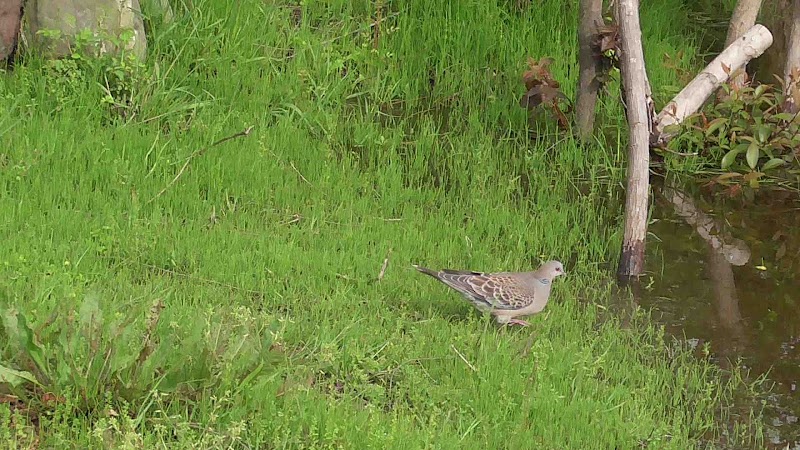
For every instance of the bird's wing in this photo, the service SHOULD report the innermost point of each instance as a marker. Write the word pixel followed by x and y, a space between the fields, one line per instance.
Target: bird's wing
pixel 489 291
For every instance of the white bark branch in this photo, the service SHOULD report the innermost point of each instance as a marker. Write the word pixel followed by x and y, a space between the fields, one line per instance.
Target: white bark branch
pixel 692 97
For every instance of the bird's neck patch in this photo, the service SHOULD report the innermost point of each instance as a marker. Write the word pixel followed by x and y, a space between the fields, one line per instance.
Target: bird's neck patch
pixel 544 280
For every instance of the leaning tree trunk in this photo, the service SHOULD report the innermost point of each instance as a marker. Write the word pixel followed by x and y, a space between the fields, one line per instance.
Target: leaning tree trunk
pixel 634 78
pixel 743 19
pixel 689 100
pixel 791 71
pixel 591 18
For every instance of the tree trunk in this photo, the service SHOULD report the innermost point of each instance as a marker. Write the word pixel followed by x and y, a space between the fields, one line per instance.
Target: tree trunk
pixel 776 15
pixel 751 45
pixel 591 18
pixel 743 19
pixel 634 78
pixel 791 71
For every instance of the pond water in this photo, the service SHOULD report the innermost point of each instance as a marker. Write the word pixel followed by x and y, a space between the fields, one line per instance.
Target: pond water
pixel 724 273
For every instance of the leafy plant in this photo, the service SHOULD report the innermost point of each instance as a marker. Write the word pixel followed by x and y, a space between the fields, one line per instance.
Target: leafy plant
pixel 543 89
pixel 116 74
pixel 607 51
pixel 746 132
pixel 88 352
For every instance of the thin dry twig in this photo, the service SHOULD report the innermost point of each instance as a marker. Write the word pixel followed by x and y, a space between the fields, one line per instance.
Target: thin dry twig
pixel 197 153
pixel 389 219
pixel 206 280
pixel 678 153
pixel 298 172
pixel 463 358
pixel 295 218
pixel 384 266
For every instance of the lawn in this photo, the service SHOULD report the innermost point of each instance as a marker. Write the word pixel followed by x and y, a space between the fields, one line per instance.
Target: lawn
pixel 158 290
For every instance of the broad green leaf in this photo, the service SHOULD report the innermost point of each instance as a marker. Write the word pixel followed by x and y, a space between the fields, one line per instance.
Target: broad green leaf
pixel 89 313
pixel 769 151
pixel 715 125
pixel 730 157
pixel 15 377
pixel 121 360
pixel 11 325
pixel 759 91
pixel 763 132
pixel 124 357
pixel 741 147
pixel 752 155
pixel 784 116
pixel 17 327
pixel 773 163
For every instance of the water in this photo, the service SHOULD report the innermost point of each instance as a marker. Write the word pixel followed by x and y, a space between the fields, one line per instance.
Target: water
pixel 724 273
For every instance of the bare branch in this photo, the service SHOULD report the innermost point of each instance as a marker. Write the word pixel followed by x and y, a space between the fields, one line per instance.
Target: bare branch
pixel 198 153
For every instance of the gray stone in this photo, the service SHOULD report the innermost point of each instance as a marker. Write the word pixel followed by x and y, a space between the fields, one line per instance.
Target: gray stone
pixel 62 20
pixel 158 10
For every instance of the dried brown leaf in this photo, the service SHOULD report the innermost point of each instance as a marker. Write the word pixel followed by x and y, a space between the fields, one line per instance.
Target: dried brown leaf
pixel 608 39
pixel 538 95
pixel 538 73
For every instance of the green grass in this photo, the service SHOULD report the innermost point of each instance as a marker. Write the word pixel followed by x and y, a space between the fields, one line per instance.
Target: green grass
pixel 265 251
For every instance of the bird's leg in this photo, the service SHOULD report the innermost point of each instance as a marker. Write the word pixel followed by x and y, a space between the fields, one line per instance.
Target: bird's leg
pixel 518 322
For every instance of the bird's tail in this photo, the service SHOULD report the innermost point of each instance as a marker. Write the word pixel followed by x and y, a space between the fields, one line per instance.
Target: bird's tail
pixel 427 271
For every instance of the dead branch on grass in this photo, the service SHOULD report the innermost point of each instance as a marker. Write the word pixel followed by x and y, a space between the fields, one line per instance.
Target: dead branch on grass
pixel 198 153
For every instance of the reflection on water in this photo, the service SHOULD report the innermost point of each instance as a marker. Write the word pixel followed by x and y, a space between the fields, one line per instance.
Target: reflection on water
pixel 726 274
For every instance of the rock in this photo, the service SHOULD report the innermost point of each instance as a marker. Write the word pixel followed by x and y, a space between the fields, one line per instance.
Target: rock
pixel 51 25
pixel 10 13
pixel 158 10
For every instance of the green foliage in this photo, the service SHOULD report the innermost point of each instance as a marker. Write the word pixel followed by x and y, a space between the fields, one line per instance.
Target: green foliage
pixel 90 351
pixel 746 132
pixel 99 65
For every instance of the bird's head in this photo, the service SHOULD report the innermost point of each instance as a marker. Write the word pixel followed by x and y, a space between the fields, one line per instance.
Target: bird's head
pixel 551 269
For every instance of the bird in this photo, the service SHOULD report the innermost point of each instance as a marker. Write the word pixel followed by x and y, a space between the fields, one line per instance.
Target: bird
pixel 505 295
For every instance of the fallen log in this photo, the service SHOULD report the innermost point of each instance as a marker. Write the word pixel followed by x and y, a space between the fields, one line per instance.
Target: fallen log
pixel 688 101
